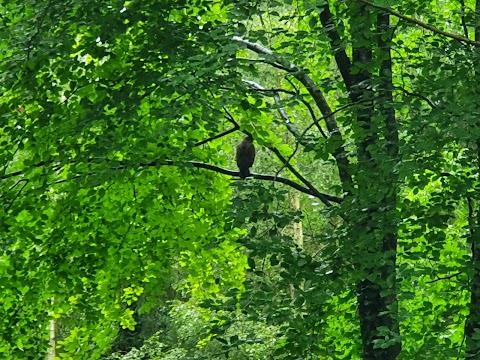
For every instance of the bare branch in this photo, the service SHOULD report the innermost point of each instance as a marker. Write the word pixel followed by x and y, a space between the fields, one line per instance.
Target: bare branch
pixel 253 46
pixel 293 170
pixel 21 172
pixel 320 101
pixel 341 58
pixel 222 134
pixel 261 89
pixel 464 23
pixel 286 120
pixel 325 198
pixel 296 173
pixel 424 25
pixel 281 110
pixel 444 278
pixel 420 96
pixel 18 193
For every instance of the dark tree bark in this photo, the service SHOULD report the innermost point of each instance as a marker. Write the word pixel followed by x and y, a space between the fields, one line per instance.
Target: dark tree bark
pixel 377 146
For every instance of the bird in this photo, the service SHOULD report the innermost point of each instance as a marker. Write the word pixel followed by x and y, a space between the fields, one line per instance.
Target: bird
pixel 245 156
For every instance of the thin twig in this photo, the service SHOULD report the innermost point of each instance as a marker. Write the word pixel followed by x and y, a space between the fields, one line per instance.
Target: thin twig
pixel 17 194
pixel 464 23
pixel 286 120
pixel 429 102
pixel 444 278
pixel 424 25
pixel 222 134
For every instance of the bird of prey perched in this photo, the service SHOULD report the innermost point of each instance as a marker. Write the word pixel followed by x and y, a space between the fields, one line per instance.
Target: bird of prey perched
pixel 245 156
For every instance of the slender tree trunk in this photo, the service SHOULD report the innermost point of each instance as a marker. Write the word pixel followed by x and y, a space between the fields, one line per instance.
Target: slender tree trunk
pixel 297 227
pixel 52 338
pixel 370 204
pixel 297 234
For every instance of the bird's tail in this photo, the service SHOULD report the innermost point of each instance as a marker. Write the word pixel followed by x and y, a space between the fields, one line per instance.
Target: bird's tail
pixel 244 173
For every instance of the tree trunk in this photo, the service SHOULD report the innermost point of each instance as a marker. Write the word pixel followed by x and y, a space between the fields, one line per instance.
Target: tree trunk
pixel 52 338
pixel 375 228
pixel 297 234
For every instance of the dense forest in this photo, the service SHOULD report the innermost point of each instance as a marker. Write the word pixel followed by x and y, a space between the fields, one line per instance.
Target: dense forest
pixel 129 233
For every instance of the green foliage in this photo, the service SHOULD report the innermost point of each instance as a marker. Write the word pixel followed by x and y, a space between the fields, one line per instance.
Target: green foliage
pixel 190 334
pixel 110 227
